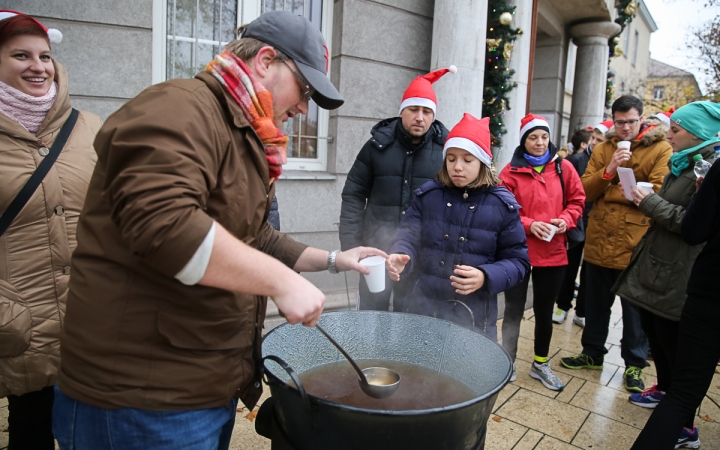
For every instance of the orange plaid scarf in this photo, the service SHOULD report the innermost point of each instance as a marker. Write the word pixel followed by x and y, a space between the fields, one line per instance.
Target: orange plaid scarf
pixel 256 103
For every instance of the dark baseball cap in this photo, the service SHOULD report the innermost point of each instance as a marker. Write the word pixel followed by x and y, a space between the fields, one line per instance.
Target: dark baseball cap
pixel 302 41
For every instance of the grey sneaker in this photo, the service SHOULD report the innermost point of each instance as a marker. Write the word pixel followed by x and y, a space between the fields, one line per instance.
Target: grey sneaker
pixel 559 316
pixel 544 373
pixel 579 321
pixel 513 377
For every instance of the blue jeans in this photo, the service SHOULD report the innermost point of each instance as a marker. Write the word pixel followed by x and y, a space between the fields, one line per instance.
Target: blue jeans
pixel 79 426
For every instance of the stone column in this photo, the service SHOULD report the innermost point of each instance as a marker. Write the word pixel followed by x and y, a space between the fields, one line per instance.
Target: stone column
pixel 459 33
pixel 591 68
pixel 518 96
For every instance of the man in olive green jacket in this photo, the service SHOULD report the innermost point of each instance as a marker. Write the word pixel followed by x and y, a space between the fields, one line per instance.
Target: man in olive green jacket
pixel 614 229
pixel 659 268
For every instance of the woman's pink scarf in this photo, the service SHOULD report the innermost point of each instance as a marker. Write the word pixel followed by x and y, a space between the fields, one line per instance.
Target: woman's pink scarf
pixel 25 109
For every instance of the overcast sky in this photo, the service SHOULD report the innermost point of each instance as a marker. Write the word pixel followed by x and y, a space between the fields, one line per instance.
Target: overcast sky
pixel 674 19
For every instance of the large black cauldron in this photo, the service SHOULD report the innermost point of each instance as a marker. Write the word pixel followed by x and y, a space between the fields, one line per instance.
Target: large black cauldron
pixel 310 423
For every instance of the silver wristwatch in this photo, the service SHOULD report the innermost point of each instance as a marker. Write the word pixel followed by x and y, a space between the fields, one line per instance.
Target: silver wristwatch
pixel 331 261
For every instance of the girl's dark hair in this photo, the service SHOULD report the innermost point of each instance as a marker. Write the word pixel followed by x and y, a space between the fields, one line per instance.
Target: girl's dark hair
pixel 486 178
pixel 19 25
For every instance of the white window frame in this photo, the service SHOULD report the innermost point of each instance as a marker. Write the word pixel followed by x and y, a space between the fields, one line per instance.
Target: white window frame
pixel 249 10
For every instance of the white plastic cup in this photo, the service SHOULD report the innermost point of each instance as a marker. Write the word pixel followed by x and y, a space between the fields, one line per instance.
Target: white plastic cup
pixel 645 187
pixel 376 278
pixel 553 230
pixel 624 144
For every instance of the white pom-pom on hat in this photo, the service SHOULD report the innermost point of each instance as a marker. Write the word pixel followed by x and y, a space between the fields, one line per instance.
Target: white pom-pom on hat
pixel 54 35
pixel 452 69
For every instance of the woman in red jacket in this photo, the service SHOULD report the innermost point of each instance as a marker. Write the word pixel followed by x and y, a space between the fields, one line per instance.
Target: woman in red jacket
pixel 552 198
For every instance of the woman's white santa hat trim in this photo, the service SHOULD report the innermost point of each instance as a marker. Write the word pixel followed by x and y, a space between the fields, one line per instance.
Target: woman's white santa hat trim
pixel 420 91
pixel 54 35
pixel 473 136
pixel 531 122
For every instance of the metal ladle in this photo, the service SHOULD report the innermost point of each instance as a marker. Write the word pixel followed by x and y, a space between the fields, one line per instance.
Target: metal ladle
pixel 375 382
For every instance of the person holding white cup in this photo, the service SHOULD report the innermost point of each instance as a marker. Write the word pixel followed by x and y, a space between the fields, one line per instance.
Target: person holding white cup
pixel 615 227
pixel 552 198
pixel 659 271
pixel 461 236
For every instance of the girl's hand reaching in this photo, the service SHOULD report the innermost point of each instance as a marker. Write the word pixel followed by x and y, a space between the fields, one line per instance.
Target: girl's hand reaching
pixel 395 265
pixel 469 280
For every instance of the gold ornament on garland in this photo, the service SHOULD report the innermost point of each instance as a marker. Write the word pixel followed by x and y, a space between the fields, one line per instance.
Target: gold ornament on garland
pixel 507 50
pixel 505 18
pixel 491 101
pixel 631 8
pixel 617 52
pixel 502 105
pixel 493 44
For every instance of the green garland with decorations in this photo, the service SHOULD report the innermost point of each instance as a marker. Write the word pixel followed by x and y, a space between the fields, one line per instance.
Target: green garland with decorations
pixel 610 91
pixel 498 76
pixel 626 10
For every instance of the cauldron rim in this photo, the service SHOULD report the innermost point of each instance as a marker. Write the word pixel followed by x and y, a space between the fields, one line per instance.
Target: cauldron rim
pixel 384 412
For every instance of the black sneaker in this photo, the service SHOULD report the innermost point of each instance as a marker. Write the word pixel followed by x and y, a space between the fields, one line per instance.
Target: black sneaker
pixel 633 379
pixel 582 361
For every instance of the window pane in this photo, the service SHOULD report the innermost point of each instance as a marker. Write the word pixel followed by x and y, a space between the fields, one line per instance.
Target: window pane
pixel 208 20
pixel 311 120
pixel 180 66
pixel 205 54
pixel 185 17
pixel 229 19
pixel 308 148
pixel 196 31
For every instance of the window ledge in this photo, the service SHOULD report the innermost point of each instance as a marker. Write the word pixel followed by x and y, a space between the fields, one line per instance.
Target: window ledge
pixel 307 175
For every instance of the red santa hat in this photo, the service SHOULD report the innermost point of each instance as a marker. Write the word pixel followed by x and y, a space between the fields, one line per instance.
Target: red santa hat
pixel 664 116
pixel 420 91
pixel 55 36
pixel 473 136
pixel 530 123
pixel 603 127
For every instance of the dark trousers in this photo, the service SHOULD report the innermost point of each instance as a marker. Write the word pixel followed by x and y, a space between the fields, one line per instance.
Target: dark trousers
pixel 567 287
pixel 696 361
pixel 546 284
pixel 381 301
pixel 599 301
pixel 30 420
pixel 662 335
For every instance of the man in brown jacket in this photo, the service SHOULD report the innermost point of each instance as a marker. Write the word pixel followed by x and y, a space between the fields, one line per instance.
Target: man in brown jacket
pixel 176 258
pixel 615 227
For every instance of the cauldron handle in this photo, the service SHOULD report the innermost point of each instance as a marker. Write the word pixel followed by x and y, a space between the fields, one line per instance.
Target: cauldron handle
pixel 293 375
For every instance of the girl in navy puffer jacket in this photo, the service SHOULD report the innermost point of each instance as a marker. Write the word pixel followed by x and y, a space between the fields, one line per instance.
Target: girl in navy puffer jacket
pixel 463 234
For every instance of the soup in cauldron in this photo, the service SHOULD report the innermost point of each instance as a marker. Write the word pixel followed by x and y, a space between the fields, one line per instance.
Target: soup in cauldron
pixel 420 387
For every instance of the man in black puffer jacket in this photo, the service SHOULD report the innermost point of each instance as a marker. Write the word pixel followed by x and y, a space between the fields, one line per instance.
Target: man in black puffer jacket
pixel 403 153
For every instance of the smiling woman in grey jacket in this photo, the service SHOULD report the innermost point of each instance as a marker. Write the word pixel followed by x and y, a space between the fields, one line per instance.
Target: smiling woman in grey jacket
pixel 660 266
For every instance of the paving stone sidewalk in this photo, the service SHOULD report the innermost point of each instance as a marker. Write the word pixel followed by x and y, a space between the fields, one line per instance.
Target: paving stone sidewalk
pixel 592 412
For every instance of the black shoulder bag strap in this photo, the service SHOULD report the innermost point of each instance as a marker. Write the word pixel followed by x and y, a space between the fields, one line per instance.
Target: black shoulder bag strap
pixel 36 178
pixel 558 162
pixel 577 234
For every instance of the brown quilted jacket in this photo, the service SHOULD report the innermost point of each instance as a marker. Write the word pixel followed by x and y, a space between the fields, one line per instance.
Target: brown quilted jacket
pixel 35 250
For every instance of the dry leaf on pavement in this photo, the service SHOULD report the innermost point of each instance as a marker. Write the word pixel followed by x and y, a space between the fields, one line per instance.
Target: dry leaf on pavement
pixel 707 418
pixel 251 415
pixel 497 419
